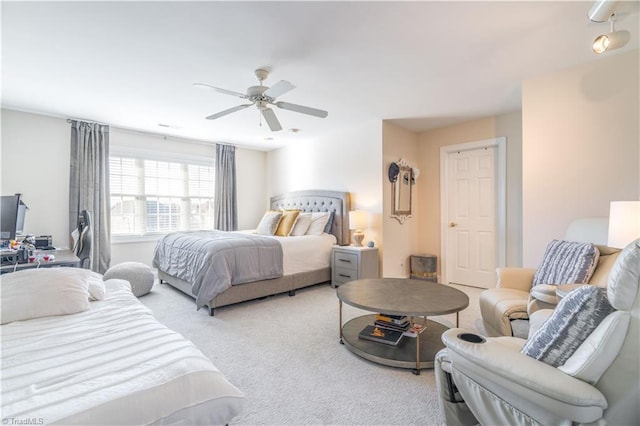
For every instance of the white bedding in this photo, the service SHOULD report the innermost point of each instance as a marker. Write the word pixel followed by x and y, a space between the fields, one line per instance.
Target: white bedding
pixel 306 252
pixel 112 364
pixel 303 253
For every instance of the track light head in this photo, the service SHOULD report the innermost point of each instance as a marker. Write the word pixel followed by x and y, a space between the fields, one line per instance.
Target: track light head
pixel 602 10
pixel 611 41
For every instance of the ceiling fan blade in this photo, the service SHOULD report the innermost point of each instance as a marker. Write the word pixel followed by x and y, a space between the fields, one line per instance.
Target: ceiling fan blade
pixel 227 111
pixel 278 89
pixel 303 109
pixel 219 90
pixel 271 119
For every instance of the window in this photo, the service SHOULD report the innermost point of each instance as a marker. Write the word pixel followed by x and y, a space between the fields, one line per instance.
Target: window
pixel 151 196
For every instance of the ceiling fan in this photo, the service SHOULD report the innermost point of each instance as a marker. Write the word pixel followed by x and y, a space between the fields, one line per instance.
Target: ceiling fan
pixel 262 97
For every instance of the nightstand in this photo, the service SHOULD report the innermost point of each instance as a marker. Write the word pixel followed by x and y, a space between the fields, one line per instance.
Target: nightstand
pixel 350 263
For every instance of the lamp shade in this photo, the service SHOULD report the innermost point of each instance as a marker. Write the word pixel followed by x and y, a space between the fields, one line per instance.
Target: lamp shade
pixel 358 220
pixel 624 223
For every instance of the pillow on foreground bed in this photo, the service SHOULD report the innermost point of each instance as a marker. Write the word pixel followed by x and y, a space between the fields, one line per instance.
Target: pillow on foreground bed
pixel 36 293
pixel 96 286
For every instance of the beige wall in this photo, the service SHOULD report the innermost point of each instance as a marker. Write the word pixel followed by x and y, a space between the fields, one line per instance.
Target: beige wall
pixel 581 146
pixel 429 144
pixel 35 161
pixel 400 240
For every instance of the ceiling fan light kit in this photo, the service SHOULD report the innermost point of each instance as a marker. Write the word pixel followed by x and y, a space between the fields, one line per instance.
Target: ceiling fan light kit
pixel 263 96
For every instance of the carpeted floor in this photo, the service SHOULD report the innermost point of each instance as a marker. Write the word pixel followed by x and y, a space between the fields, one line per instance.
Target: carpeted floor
pixel 284 354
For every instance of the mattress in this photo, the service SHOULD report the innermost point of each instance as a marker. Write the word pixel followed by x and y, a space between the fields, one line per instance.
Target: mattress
pixel 306 253
pixel 112 364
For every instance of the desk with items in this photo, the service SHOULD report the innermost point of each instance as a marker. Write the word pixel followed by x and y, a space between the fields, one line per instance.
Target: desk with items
pixel 34 253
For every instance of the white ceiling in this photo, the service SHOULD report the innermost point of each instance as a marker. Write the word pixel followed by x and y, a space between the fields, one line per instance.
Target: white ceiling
pixel 420 64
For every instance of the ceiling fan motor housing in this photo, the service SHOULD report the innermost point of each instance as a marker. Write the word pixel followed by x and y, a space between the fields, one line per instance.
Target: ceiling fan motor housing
pixel 256 92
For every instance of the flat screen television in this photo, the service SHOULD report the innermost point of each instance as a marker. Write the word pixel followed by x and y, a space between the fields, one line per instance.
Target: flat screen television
pixel 13 210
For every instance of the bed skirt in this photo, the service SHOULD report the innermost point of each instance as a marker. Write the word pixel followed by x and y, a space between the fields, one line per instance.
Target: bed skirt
pixel 254 290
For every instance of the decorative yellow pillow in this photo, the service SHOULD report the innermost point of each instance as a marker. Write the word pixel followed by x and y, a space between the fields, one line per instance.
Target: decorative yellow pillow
pixel 286 223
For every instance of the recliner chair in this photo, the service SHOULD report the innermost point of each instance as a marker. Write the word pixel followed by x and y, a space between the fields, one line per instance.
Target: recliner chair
pixel 499 385
pixel 506 308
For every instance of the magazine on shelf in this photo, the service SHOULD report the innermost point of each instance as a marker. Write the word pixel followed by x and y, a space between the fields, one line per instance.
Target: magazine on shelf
pixel 380 335
pixel 394 319
pixel 391 326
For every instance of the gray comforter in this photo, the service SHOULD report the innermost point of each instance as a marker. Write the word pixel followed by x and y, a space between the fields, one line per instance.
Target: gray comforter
pixel 212 261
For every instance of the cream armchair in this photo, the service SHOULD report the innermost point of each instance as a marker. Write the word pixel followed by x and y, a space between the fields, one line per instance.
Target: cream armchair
pixel 506 308
pixel 512 300
pixel 495 383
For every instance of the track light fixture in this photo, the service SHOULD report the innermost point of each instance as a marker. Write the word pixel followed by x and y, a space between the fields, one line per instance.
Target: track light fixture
pixel 602 10
pixel 613 40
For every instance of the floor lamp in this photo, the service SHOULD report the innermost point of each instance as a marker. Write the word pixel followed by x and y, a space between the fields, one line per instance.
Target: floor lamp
pixel 624 223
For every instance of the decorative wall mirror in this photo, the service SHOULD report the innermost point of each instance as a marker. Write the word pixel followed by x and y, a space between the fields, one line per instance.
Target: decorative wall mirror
pixel 402 177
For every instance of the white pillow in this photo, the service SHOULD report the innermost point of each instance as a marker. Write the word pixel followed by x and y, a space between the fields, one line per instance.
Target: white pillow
pixel 35 293
pixel 318 223
pixel 96 286
pixel 269 223
pixel 302 225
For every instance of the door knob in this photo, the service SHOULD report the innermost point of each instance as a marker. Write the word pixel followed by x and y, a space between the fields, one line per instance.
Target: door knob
pixel 452 224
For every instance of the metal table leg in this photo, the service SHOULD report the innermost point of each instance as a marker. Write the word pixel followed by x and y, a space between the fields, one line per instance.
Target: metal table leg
pixel 340 320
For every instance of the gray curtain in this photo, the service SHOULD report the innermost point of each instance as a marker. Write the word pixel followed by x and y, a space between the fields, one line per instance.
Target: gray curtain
pixel 89 187
pixel 226 208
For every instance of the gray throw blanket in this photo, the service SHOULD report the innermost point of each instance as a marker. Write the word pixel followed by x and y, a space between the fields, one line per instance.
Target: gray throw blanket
pixel 212 261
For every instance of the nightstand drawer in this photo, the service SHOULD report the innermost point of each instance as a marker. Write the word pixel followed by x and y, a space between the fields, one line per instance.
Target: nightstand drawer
pixel 345 260
pixel 342 275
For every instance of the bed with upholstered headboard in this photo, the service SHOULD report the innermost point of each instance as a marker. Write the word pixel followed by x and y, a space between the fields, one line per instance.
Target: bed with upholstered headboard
pixel 306 259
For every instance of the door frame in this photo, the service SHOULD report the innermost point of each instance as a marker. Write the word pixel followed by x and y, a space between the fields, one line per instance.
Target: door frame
pixel 501 186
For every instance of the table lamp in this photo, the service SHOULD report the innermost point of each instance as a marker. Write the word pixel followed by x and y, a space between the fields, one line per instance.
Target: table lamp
pixel 624 223
pixel 358 220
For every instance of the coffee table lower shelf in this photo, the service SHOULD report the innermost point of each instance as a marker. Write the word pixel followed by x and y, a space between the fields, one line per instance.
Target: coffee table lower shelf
pixel 404 354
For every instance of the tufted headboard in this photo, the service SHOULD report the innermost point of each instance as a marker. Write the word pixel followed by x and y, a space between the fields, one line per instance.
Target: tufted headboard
pixel 310 201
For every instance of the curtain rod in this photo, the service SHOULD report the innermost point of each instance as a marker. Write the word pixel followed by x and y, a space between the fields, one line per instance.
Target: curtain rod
pixel 69 120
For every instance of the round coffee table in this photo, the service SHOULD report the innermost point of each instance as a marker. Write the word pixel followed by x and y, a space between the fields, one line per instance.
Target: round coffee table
pixel 399 296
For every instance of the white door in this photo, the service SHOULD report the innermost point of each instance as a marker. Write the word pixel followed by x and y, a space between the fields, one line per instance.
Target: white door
pixel 471 242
